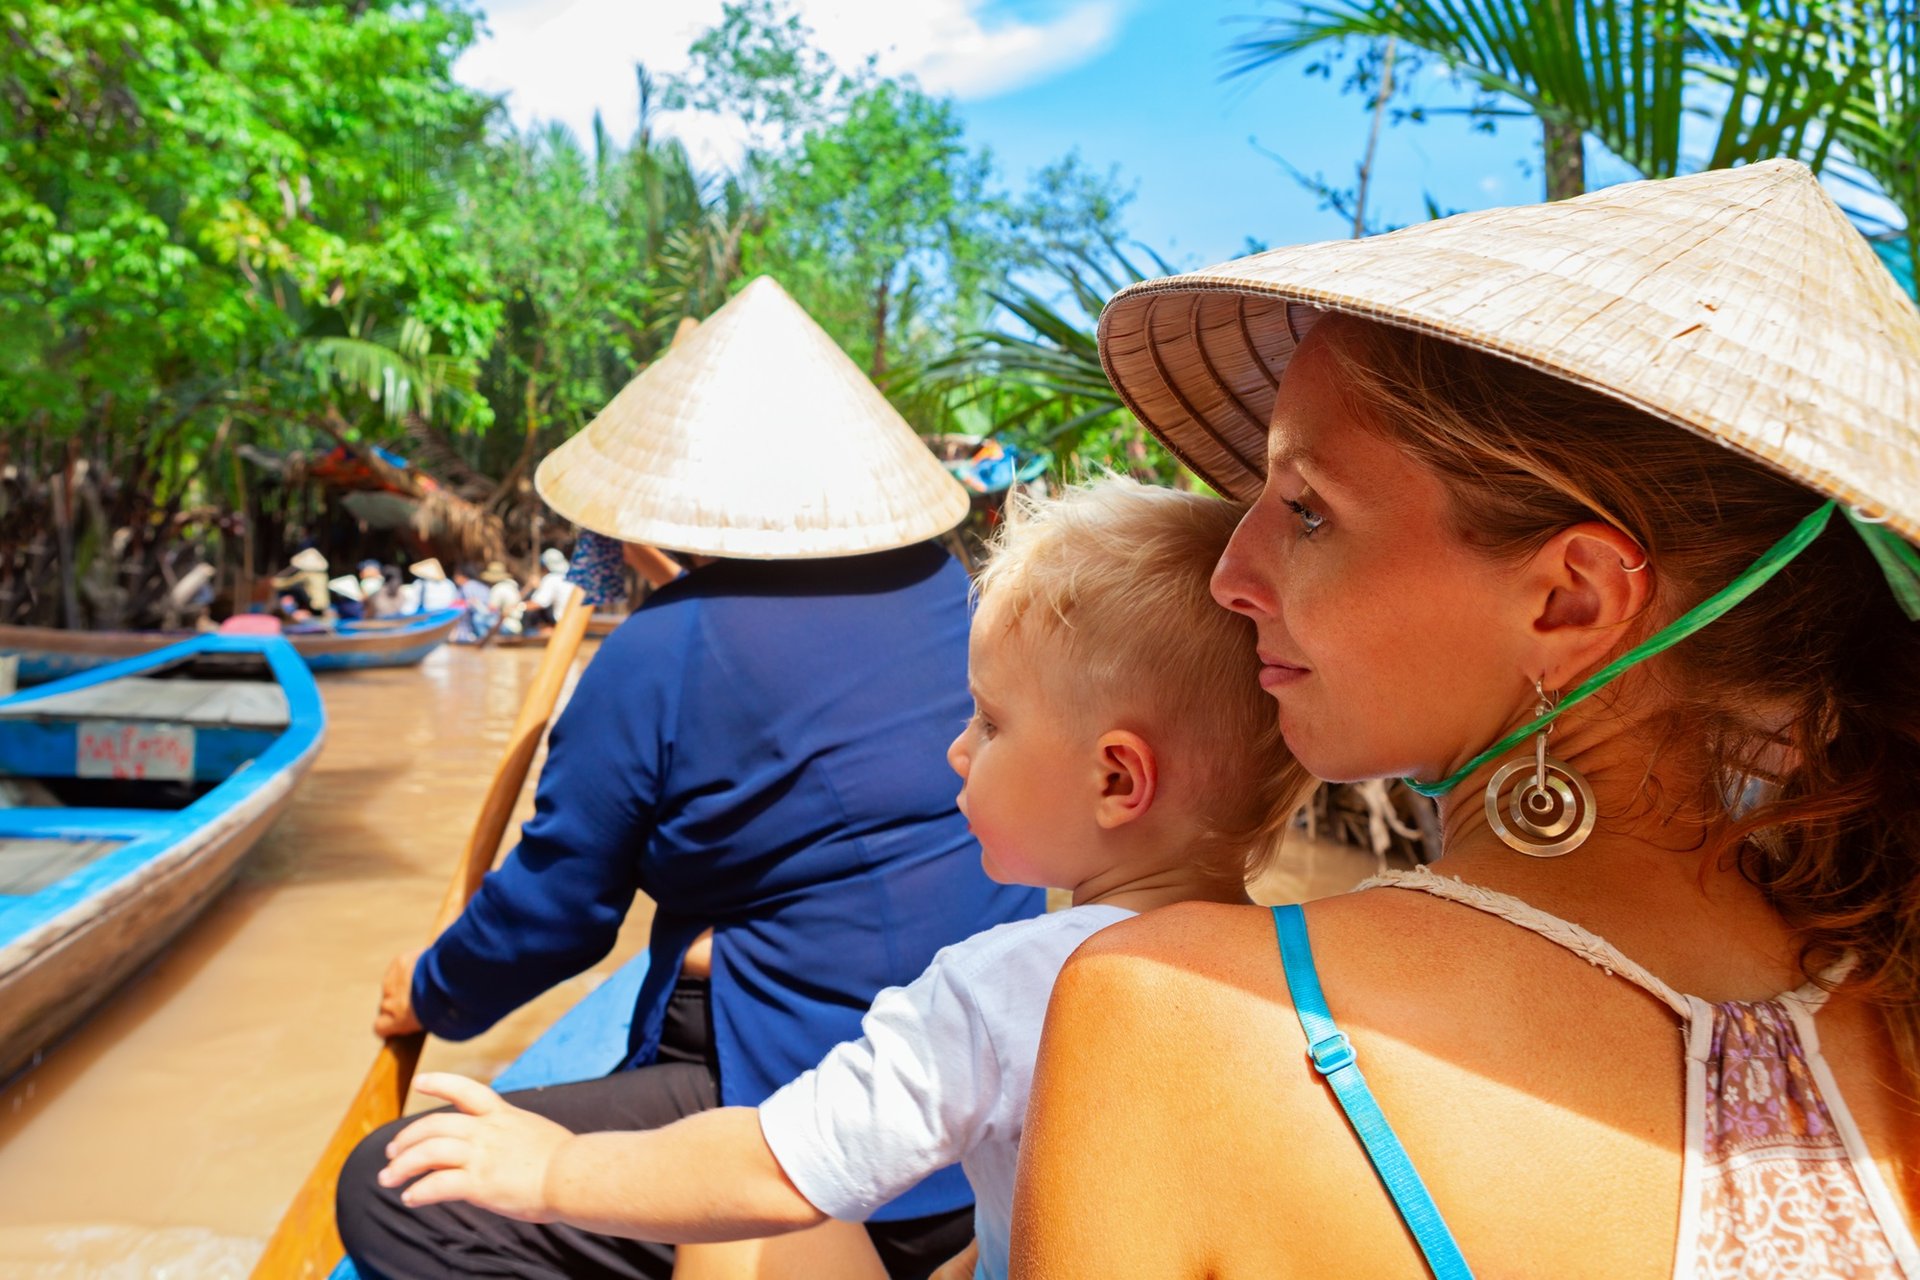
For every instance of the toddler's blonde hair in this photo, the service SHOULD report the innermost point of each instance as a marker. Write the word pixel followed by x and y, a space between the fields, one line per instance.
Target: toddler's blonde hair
pixel 1116 574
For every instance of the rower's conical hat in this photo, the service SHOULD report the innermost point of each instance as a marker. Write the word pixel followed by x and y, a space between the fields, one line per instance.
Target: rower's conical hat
pixel 1740 304
pixel 753 437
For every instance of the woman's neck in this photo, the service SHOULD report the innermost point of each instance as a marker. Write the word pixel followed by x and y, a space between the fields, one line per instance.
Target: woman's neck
pixel 1650 879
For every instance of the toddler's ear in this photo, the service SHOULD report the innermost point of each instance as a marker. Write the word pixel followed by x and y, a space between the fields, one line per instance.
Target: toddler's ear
pixel 1129 776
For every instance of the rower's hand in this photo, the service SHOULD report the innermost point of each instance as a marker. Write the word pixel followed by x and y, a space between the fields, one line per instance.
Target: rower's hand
pixel 396 998
pixel 489 1153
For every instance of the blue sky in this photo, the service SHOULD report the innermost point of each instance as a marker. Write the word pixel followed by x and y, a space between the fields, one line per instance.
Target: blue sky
pixel 1155 104
pixel 1132 83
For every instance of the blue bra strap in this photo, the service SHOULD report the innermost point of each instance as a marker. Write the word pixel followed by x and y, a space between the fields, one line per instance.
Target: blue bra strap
pixel 1332 1057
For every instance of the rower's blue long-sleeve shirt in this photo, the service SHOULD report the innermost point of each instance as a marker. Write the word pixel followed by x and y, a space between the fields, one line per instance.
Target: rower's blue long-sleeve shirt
pixel 760 749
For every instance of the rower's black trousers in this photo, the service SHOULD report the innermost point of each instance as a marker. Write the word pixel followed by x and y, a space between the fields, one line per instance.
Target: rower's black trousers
pixel 389 1241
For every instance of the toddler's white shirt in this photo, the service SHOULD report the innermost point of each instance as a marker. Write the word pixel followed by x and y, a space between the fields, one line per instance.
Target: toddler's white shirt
pixel 941 1073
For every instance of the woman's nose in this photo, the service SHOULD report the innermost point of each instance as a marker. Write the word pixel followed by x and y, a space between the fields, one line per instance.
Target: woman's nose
pixel 1241 581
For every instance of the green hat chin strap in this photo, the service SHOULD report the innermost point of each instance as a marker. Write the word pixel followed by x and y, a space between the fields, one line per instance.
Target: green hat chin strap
pixel 1898 560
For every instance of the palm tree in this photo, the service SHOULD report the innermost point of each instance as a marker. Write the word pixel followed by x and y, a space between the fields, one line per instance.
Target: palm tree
pixel 1625 72
pixel 1040 381
pixel 1878 133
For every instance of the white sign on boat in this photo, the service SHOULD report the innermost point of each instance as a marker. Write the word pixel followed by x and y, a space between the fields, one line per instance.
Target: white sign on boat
pixel 135 749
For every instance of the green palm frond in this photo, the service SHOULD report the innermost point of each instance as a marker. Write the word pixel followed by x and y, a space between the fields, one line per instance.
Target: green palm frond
pixel 1040 379
pixel 395 369
pixel 1624 71
pixel 1880 128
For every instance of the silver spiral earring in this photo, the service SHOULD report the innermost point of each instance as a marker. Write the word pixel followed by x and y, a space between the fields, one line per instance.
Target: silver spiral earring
pixel 1549 810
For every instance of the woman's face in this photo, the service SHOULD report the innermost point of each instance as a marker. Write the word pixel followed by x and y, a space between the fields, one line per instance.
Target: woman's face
pixel 1391 646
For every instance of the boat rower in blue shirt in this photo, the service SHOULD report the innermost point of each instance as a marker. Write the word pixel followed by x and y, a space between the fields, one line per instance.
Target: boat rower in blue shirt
pixel 760 750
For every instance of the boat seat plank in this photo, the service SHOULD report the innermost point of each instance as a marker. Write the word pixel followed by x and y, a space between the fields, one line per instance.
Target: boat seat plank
pixel 251 703
pixel 26 793
pixel 28 866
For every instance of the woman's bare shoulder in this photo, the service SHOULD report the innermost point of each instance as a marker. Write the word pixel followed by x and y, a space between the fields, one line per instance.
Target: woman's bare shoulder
pixel 1200 942
pixel 1188 944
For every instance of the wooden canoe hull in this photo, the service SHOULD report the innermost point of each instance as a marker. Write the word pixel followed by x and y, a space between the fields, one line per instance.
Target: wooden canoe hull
pixel 67 947
pixel 49 653
pixel 50 981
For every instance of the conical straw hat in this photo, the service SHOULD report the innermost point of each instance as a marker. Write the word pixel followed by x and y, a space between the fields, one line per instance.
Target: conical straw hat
pixel 753 437
pixel 307 560
pixel 1739 304
pixel 428 570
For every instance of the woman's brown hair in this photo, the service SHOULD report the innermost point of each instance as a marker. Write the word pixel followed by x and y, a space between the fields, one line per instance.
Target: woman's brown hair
pixel 1803 701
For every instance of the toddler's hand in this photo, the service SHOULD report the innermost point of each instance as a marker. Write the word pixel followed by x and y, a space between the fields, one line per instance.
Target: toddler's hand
pixel 490 1154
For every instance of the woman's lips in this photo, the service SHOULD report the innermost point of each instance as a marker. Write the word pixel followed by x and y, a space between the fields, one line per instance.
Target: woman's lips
pixel 1275 673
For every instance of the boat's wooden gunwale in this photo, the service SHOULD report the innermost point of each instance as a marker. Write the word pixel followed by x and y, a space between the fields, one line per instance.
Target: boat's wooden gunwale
pixel 397 642
pixel 53 977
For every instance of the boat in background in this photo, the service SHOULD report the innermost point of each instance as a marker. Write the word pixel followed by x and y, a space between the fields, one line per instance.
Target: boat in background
pixel 50 653
pixel 601 625
pixel 128 796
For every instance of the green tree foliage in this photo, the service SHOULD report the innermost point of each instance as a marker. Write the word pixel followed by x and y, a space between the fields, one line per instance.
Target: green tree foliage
pixel 970 304
pixel 190 190
pixel 1036 378
pixel 875 212
pixel 236 232
pixel 594 258
pixel 882 223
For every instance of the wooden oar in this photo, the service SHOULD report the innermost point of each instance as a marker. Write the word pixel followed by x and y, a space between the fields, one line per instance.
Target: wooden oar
pixel 306 1244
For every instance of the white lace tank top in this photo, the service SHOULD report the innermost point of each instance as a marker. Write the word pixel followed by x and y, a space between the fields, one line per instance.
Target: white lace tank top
pixel 1777 1182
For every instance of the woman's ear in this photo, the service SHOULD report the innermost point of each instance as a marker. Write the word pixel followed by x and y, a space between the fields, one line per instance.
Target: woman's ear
pixel 1129 776
pixel 1593 583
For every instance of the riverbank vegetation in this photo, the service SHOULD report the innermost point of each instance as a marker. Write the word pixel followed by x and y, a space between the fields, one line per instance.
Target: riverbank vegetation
pixel 271 276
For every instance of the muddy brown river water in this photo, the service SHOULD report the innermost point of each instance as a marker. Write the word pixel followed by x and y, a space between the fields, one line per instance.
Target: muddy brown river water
pixel 165 1137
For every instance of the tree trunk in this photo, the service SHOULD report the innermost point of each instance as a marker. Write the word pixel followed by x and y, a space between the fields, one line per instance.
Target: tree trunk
pixel 879 366
pixel 1373 140
pixel 61 491
pixel 1566 159
pixel 531 410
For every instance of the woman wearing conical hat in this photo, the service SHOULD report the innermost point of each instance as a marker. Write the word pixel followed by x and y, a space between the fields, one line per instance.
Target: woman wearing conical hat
pixel 305 582
pixel 1596 521
pixel 759 748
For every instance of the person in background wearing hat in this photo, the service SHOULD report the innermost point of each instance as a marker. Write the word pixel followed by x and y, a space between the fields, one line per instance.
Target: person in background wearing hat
pixel 478 617
pixel 503 596
pixel 303 586
pixel 430 589
pixel 760 749
pixel 1595 520
pixel 381 591
pixel 548 599
pixel 346 598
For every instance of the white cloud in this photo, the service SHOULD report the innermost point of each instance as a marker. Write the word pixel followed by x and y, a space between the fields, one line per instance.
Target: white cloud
pixel 562 59
pixel 951 48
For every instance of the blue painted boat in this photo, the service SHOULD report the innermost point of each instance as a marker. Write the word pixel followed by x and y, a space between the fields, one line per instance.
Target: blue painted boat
pixel 588 1042
pixel 49 653
pixel 128 796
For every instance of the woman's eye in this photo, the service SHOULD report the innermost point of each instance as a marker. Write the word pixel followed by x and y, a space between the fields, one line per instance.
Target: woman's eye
pixel 1310 520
